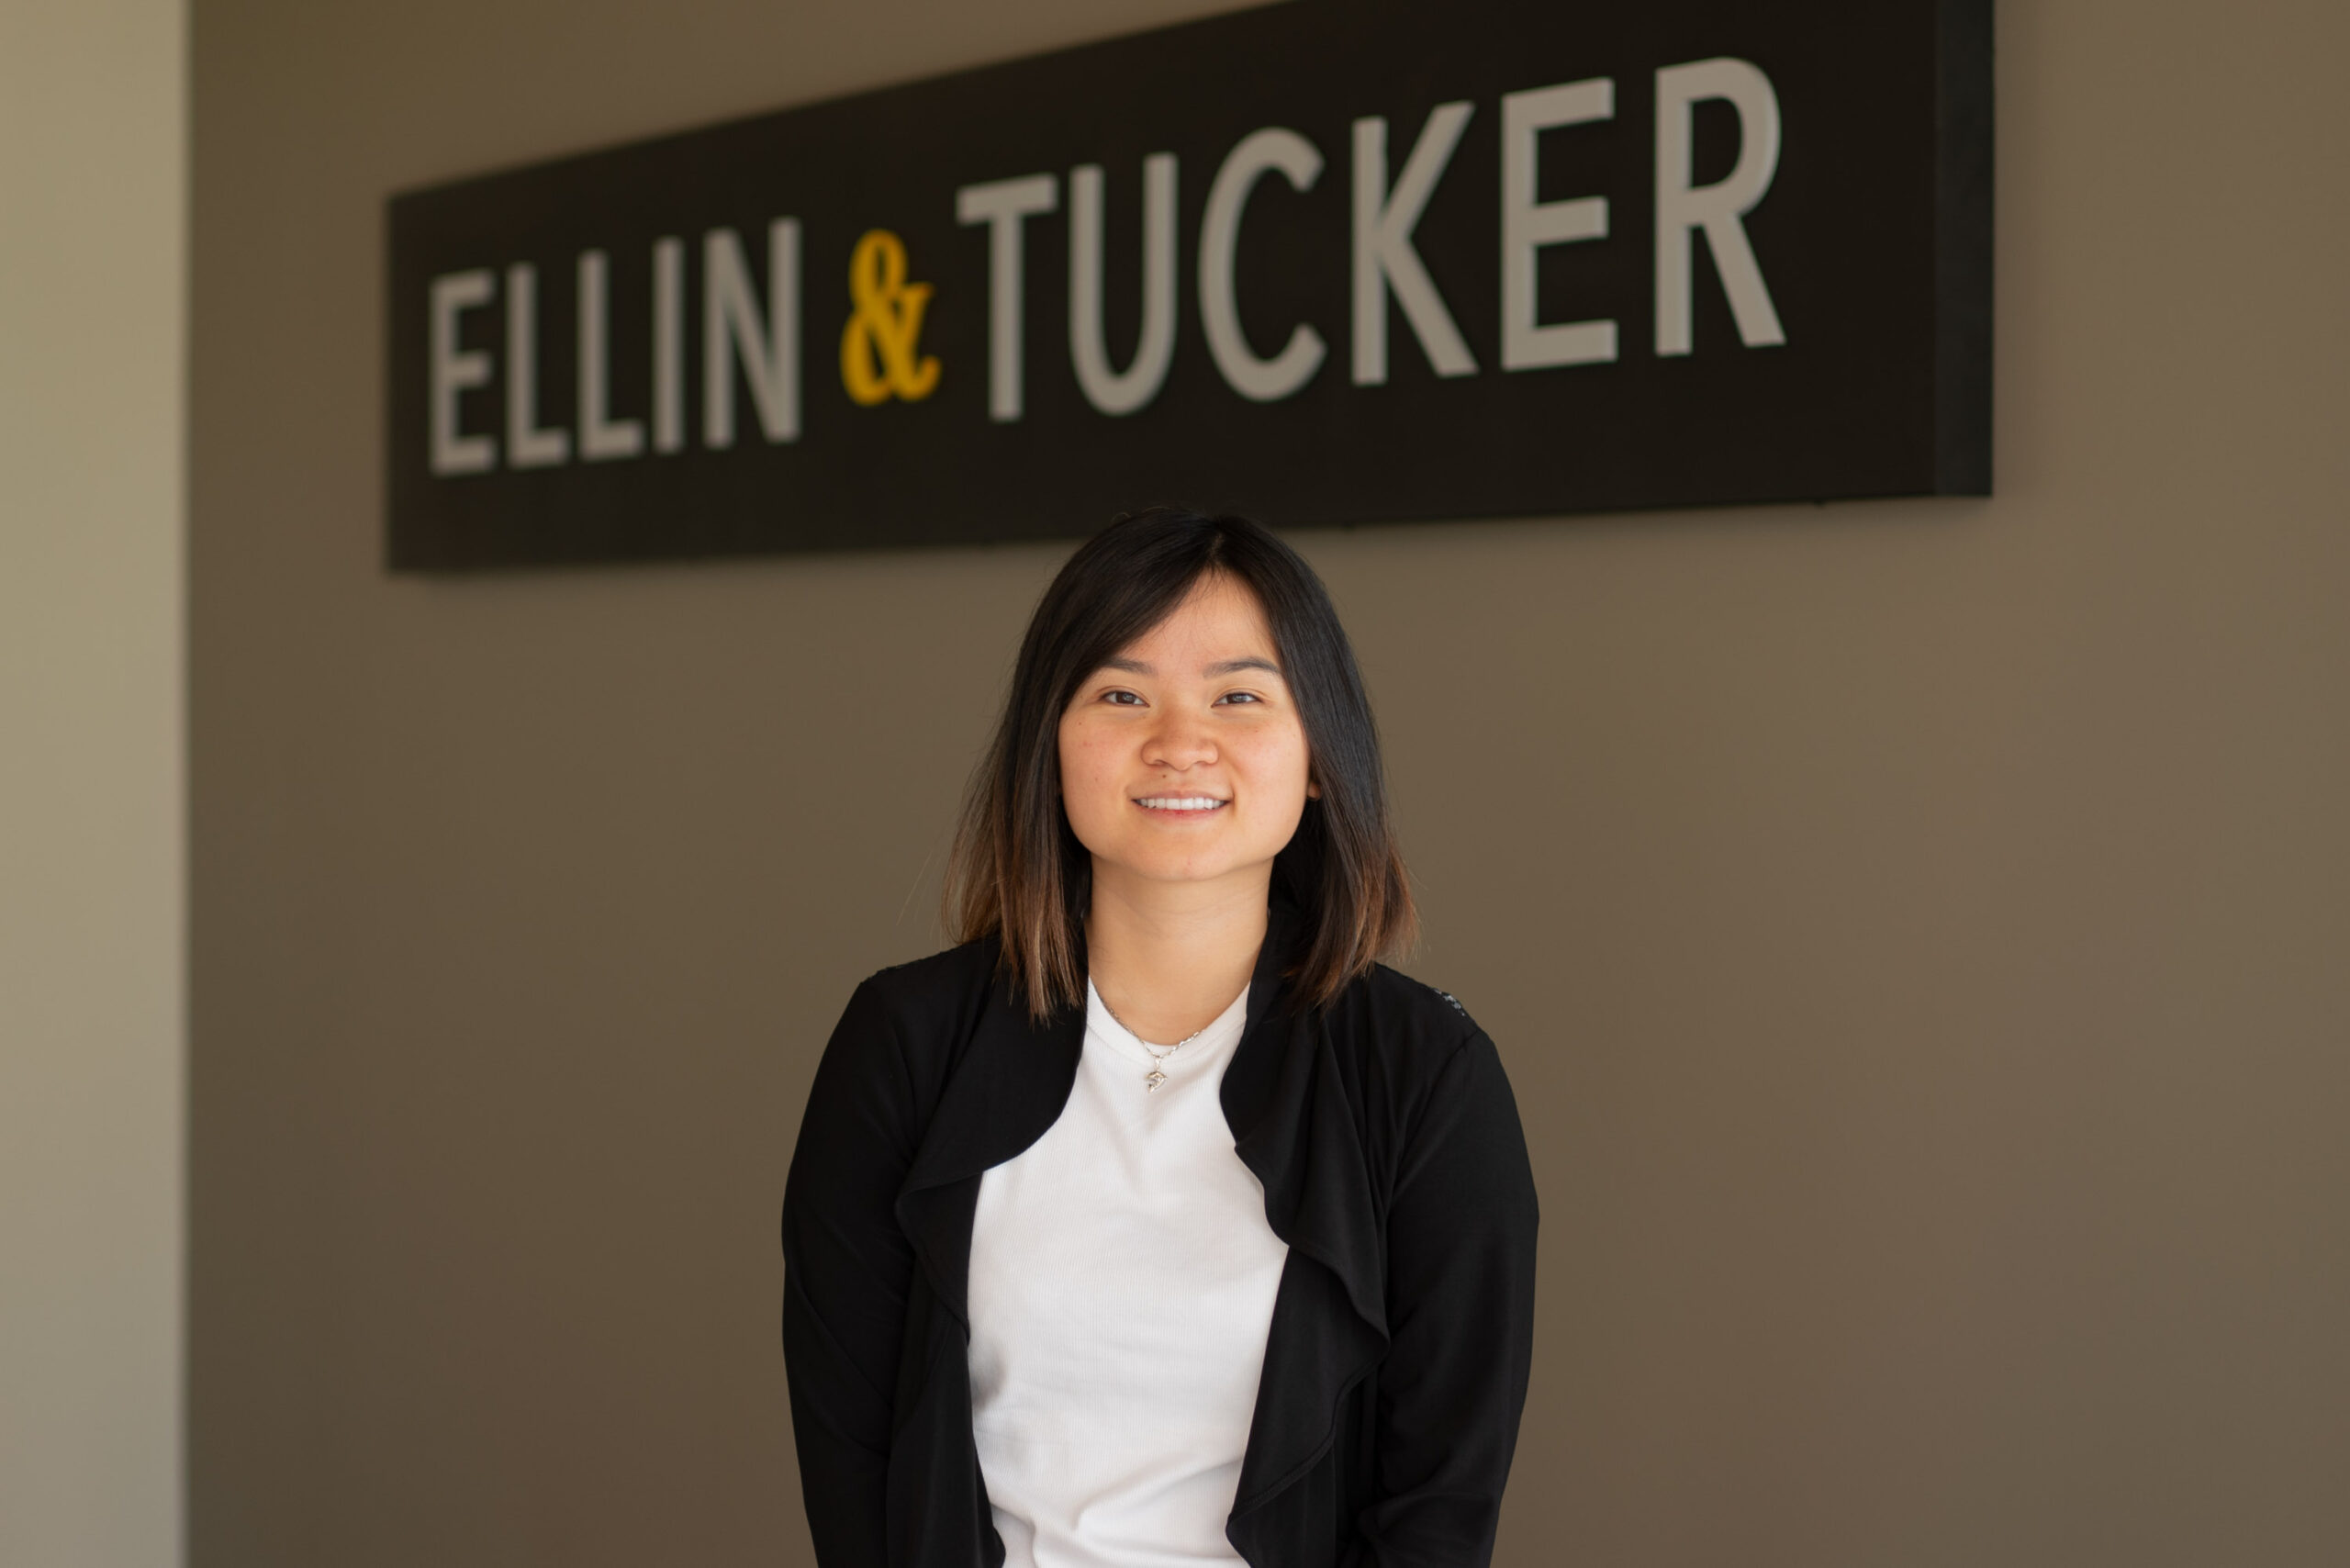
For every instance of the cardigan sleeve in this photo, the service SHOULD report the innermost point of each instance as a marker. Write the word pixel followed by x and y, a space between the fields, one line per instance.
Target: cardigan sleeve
pixel 846 1269
pixel 1460 1324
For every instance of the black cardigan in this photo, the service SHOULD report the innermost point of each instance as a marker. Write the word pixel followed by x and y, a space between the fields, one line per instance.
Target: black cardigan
pixel 1393 1167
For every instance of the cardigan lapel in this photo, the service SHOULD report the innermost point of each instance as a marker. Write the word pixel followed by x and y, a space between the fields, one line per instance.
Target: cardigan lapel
pixel 1008 1087
pixel 1295 1126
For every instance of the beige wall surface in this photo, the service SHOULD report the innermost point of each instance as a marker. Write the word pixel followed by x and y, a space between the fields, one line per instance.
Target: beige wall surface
pixel 92 231
pixel 1915 929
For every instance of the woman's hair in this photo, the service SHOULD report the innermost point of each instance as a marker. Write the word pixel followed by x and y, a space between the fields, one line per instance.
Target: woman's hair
pixel 1018 870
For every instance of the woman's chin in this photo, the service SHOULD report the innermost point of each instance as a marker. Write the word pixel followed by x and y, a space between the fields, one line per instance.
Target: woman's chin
pixel 1179 869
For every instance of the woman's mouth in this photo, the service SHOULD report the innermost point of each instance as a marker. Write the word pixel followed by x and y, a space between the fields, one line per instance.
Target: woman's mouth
pixel 1185 805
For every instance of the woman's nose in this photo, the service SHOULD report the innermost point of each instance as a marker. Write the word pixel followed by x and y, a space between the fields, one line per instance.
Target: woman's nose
pixel 1183 741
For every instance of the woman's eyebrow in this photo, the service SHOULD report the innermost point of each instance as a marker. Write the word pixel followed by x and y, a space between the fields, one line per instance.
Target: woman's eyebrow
pixel 1221 667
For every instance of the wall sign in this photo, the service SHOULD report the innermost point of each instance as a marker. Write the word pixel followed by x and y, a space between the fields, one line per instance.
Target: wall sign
pixel 1331 261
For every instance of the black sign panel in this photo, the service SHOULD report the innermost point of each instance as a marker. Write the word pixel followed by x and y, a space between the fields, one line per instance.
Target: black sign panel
pixel 1333 261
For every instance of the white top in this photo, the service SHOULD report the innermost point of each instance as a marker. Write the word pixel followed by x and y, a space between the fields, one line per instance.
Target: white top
pixel 1122 1284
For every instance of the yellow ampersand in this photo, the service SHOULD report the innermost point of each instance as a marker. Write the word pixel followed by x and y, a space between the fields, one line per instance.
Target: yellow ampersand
pixel 877 345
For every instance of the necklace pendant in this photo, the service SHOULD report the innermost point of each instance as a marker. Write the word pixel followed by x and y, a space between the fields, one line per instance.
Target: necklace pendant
pixel 1154 1079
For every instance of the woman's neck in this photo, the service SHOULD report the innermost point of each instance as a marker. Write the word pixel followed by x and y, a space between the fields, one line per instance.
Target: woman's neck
pixel 1169 957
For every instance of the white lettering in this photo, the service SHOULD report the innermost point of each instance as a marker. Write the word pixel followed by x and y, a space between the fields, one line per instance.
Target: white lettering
pixel 1001 206
pixel 600 435
pixel 668 346
pixel 1716 209
pixel 454 371
pixel 731 331
pixel 1528 224
pixel 1108 390
pixel 1384 259
pixel 1258 153
pixel 527 445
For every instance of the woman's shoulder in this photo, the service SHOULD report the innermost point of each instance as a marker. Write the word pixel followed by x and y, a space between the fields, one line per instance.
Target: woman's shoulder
pixel 906 1024
pixel 1410 1024
pixel 1417 1065
pixel 944 984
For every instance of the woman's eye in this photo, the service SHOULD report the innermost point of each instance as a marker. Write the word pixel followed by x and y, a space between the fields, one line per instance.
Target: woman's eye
pixel 1239 697
pixel 1123 698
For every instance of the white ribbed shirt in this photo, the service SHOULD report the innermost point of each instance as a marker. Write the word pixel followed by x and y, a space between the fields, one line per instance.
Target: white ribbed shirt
pixel 1122 1283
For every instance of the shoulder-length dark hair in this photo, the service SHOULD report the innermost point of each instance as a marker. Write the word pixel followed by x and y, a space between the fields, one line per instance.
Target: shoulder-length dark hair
pixel 1018 870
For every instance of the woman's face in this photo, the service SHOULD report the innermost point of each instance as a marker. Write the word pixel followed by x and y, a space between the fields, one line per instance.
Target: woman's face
pixel 1183 759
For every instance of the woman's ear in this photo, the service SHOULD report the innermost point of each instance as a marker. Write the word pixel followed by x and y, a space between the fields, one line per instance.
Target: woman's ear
pixel 1313 788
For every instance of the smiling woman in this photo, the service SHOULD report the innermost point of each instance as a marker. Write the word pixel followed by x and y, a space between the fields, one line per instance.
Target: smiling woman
pixel 1157 1224
pixel 1179 652
pixel 1183 771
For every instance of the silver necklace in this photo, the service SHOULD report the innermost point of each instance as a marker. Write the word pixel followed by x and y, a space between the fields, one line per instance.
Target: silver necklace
pixel 1158 1054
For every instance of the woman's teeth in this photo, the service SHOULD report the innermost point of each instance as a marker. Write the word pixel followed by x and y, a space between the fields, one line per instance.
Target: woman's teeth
pixel 1180 802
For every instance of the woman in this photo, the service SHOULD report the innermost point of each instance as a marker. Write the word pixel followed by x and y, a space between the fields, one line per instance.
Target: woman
pixel 1157 1224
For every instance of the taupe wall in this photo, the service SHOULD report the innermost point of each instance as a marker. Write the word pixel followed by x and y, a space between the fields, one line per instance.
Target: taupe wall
pixel 92 838
pixel 1916 931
